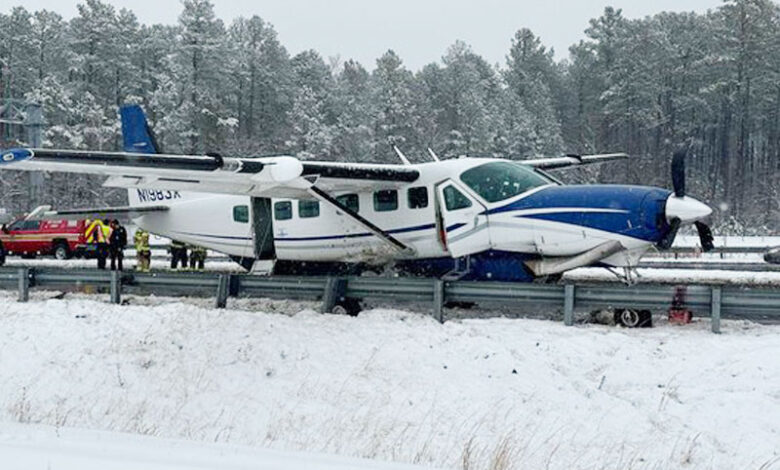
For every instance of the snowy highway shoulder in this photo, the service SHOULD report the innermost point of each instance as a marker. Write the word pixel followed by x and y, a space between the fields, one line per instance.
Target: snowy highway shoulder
pixel 395 386
pixel 35 446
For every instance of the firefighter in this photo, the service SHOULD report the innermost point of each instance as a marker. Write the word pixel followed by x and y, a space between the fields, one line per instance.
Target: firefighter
pixel 178 254
pixel 96 235
pixel 117 242
pixel 197 257
pixel 143 255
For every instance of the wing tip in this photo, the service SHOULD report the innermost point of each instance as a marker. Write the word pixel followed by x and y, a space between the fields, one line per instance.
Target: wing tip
pixel 16 155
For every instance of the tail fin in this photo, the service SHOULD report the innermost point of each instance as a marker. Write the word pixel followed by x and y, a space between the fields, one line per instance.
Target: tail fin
pixel 137 137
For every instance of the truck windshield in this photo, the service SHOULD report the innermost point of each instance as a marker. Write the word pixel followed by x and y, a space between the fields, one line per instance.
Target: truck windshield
pixel 496 181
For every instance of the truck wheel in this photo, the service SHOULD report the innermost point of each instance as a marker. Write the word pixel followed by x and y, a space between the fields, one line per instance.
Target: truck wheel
pixel 633 318
pixel 61 251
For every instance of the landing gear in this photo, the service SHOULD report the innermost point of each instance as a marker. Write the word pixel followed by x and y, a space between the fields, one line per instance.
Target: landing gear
pixel 633 318
pixel 346 306
pixel 629 276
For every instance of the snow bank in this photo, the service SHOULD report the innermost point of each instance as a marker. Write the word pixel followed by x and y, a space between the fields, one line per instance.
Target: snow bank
pixel 398 386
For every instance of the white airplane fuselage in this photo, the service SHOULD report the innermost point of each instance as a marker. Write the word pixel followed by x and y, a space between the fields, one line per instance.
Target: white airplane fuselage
pixel 546 220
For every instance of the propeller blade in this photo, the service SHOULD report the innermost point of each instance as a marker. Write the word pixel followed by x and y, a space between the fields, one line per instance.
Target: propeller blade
pixel 678 173
pixel 666 242
pixel 705 236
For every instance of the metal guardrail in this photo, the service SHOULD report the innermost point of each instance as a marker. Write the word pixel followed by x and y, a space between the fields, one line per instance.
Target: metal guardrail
pixel 756 266
pixel 711 301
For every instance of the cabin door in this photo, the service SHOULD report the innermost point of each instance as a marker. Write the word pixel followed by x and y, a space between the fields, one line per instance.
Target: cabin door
pixel 461 221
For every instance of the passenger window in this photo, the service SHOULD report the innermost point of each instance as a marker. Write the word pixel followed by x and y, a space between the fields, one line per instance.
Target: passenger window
pixel 386 200
pixel 283 210
pixel 454 199
pixel 31 225
pixel 417 197
pixel 350 200
pixel 308 209
pixel 241 214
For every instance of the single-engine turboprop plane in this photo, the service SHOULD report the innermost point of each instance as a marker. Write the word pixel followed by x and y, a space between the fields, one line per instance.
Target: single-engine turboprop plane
pixel 470 218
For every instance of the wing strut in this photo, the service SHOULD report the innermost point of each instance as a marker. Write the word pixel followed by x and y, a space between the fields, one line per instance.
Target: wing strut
pixel 381 234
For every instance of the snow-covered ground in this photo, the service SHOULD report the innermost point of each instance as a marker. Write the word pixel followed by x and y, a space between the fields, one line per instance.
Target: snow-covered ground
pixel 394 385
pixel 666 276
pixel 42 447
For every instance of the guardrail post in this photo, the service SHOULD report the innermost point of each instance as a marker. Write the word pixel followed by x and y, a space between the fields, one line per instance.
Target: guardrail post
pixel 334 288
pixel 116 287
pixel 568 304
pixel 24 284
pixel 223 289
pixel 715 309
pixel 438 300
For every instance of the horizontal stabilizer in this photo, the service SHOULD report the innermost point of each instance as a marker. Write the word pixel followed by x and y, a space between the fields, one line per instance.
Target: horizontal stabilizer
pixel 547 266
pixel 126 212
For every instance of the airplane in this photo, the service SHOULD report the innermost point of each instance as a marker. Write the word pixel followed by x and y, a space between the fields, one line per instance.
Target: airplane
pixel 463 218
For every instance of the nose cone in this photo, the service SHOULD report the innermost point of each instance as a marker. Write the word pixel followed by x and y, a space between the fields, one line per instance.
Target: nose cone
pixel 685 208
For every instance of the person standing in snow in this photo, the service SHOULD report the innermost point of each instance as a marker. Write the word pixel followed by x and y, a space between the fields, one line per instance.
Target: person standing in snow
pixel 178 254
pixel 96 235
pixel 197 257
pixel 143 255
pixel 116 244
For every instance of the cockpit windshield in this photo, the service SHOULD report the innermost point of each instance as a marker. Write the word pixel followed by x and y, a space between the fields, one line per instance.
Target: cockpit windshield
pixel 496 181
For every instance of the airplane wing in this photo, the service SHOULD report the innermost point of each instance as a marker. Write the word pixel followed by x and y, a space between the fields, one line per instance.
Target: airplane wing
pixel 573 160
pixel 46 213
pixel 278 176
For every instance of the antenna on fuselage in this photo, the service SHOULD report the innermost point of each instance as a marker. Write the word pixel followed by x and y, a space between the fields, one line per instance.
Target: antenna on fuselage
pixel 433 154
pixel 401 156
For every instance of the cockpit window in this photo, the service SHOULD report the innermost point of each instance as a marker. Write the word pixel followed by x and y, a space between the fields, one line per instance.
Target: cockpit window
pixel 496 181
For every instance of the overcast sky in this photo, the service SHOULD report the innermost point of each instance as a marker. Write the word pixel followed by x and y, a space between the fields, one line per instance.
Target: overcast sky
pixel 418 30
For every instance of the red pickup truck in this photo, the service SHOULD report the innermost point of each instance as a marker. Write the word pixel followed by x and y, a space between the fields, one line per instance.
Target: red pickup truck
pixel 29 238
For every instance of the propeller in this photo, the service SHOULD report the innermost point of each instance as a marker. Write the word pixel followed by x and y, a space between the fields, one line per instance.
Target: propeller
pixel 678 173
pixel 705 236
pixel 681 209
pixel 666 242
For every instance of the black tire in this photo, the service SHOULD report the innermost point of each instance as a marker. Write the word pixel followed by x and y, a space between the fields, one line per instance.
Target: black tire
pixel 633 318
pixel 347 306
pixel 61 251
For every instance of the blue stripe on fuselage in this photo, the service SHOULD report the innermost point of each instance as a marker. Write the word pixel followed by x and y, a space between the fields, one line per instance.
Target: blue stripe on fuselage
pixel 639 208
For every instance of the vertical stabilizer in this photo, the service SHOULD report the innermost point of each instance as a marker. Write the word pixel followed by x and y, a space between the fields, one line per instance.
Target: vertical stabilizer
pixel 136 135
pixel 136 138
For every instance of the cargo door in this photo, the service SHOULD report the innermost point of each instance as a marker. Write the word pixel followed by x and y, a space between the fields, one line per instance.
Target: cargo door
pixel 262 228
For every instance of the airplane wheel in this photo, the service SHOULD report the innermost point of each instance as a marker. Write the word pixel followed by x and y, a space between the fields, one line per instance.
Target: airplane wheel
pixel 347 306
pixel 633 318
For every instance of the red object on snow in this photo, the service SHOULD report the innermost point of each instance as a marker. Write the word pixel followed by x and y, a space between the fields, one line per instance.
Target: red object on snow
pixel 678 314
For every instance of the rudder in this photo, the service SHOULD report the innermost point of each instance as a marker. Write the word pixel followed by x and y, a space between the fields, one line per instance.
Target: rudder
pixel 137 137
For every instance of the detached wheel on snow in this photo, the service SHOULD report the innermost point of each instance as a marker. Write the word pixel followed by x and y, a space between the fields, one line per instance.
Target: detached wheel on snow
pixel 633 318
pixel 346 306
pixel 61 251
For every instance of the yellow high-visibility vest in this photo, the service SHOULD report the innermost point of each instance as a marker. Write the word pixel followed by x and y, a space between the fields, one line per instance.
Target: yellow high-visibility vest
pixel 96 232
